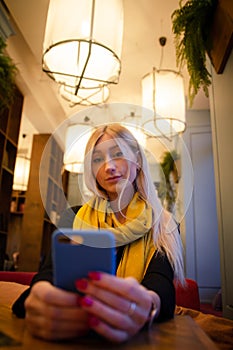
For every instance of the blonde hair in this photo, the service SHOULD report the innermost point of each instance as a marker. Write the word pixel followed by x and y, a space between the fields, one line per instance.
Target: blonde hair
pixel 165 233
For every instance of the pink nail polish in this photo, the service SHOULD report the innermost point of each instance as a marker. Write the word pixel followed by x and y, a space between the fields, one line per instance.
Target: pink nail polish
pixel 81 284
pixel 94 275
pixel 93 321
pixel 86 301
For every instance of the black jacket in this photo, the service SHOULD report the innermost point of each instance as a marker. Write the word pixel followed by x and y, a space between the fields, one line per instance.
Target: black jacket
pixel 159 276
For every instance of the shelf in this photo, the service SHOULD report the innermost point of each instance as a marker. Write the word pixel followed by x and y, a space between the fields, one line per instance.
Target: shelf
pixel 17 202
pixel 4 120
pixel 5 168
pixel 10 119
pixel 2 145
pixel 44 202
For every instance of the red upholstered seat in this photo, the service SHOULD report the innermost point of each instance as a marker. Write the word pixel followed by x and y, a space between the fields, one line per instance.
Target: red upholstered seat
pixel 17 276
pixel 188 296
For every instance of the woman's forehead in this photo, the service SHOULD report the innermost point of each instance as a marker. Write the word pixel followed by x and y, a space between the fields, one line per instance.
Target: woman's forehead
pixel 105 142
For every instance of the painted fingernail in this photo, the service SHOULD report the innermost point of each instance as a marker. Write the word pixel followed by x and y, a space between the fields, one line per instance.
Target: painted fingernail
pixel 86 301
pixel 81 284
pixel 93 321
pixel 94 275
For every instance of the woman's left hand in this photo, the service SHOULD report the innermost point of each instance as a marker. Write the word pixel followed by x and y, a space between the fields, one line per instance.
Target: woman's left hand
pixel 118 307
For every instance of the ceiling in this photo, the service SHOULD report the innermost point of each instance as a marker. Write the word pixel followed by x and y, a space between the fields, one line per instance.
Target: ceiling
pixel 144 22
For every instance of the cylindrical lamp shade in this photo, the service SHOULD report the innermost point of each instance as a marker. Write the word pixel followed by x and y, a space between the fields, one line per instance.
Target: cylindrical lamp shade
pixel 133 124
pixel 137 133
pixel 21 173
pixel 83 42
pixel 164 98
pixel 85 97
pixel 77 136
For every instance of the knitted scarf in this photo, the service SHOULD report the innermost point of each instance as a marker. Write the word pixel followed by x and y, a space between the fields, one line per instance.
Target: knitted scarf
pixel 135 234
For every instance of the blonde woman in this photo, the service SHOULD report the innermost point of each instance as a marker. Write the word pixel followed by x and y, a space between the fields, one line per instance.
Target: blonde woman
pixel 148 251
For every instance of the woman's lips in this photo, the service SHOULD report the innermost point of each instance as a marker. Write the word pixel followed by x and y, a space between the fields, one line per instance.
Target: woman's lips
pixel 113 178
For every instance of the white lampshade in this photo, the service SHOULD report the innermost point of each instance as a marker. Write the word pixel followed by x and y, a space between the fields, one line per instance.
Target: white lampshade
pixel 85 96
pixel 83 42
pixel 77 136
pixel 137 133
pixel 133 123
pixel 164 99
pixel 21 173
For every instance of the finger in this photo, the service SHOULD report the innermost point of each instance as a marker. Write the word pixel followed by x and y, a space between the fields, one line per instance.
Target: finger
pixel 37 307
pixel 42 327
pixel 119 295
pixel 108 297
pixel 56 322
pixel 113 317
pixel 127 287
pixel 111 333
pixel 50 294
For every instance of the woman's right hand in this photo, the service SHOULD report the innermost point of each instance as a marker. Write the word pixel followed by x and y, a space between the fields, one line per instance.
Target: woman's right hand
pixel 53 314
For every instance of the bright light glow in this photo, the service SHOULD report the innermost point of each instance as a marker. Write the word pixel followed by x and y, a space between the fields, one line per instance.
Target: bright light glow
pixel 137 133
pixel 77 136
pixel 132 123
pixel 21 173
pixel 164 99
pixel 70 34
pixel 85 29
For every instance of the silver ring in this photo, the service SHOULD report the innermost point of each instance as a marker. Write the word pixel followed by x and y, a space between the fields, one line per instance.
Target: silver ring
pixel 132 308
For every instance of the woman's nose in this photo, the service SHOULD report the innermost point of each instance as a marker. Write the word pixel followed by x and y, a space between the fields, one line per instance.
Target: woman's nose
pixel 110 165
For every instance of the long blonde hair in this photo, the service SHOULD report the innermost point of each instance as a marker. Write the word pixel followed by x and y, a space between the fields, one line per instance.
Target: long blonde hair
pixel 165 233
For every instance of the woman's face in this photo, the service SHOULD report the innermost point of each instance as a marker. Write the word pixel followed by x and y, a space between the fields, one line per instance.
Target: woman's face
pixel 112 167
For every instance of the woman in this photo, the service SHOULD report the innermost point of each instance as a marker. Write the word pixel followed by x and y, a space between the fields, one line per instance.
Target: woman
pixel 149 253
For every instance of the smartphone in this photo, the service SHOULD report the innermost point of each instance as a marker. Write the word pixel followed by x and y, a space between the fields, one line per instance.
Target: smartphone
pixel 76 252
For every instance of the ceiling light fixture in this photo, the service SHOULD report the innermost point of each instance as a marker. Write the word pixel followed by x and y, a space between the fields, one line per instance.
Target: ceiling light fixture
pixel 21 173
pixel 77 136
pixel 22 167
pixel 133 123
pixel 164 100
pixel 83 42
pixel 85 96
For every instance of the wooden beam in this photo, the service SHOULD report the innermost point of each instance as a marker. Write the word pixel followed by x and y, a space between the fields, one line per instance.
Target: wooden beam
pixel 222 35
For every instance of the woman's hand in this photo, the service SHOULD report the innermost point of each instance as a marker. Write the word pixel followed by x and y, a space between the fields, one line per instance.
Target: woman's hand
pixel 118 307
pixel 53 314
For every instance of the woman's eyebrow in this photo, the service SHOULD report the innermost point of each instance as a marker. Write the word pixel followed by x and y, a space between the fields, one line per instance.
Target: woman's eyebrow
pixel 110 148
pixel 96 151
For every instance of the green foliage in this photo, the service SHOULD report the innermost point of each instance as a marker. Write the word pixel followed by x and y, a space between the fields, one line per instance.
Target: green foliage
pixel 166 190
pixel 7 77
pixel 191 25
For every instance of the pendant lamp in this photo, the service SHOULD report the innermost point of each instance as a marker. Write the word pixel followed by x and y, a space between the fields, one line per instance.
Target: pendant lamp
pixel 83 42
pixel 163 99
pixel 85 96
pixel 21 173
pixel 133 123
pixel 77 136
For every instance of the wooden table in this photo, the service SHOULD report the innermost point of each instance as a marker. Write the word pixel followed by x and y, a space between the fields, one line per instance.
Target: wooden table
pixel 180 333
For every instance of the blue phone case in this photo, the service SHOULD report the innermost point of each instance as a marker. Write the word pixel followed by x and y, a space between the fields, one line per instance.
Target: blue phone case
pixel 76 252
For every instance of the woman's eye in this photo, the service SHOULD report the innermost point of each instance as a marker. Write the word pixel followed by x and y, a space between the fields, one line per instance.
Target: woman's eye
pixel 97 160
pixel 118 154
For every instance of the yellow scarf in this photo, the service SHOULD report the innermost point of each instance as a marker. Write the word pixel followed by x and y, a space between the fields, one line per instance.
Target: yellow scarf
pixel 135 233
